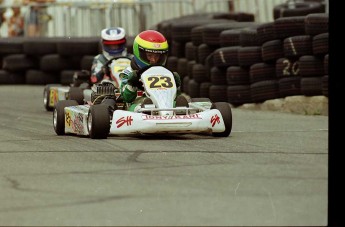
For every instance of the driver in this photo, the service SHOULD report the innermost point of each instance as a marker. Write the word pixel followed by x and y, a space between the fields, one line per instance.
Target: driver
pixel 113 42
pixel 150 48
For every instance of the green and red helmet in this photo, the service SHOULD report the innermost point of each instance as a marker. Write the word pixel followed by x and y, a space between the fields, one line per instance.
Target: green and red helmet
pixel 150 41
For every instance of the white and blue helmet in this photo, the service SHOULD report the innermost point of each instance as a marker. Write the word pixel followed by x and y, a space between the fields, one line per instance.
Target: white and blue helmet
pixel 113 40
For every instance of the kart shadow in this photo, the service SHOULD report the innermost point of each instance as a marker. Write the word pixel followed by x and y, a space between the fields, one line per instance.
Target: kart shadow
pixel 164 137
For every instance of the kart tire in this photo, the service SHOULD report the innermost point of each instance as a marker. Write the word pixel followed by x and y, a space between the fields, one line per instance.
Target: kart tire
pixel 46 96
pixel 85 85
pixel 225 110
pixel 77 94
pixel 59 115
pixel 98 122
pixel 181 101
pixel 201 100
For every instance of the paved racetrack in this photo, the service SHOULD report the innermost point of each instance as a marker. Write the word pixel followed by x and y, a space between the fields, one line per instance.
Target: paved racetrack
pixel 271 170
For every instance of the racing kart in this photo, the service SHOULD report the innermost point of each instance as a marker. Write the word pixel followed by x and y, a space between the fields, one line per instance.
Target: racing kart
pixel 162 114
pixel 53 93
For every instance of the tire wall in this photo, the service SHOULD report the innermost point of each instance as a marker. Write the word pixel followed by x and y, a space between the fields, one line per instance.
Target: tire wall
pixel 44 60
pixel 247 62
pixel 225 57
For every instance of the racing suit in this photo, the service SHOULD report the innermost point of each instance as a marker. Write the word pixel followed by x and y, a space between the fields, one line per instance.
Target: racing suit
pixel 130 82
pixel 98 72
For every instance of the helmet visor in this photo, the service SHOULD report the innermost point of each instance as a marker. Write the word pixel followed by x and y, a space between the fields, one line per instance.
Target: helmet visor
pixel 153 57
pixel 114 47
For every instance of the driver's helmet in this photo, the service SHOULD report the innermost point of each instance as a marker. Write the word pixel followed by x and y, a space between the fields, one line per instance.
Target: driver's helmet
pixel 113 40
pixel 150 44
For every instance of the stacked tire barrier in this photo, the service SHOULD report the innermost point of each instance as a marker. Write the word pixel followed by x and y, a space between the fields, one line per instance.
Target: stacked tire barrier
pixel 245 62
pixel 226 57
pixel 46 60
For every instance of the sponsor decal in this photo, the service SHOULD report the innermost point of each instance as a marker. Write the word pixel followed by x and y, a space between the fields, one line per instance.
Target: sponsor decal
pixel 68 119
pixel 215 119
pixel 124 120
pixel 156 45
pixel 53 97
pixel 75 121
pixel 191 116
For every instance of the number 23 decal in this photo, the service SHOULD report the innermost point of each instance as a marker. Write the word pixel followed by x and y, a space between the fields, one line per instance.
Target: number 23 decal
pixel 160 82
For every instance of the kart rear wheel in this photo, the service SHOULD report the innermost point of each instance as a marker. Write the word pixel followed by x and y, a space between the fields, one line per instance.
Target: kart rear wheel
pixel 46 96
pixel 59 115
pixel 98 121
pixel 225 110
pixel 77 94
pixel 181 101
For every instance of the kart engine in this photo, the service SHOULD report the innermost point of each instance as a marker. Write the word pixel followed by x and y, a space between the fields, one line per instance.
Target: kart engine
pixel 103 91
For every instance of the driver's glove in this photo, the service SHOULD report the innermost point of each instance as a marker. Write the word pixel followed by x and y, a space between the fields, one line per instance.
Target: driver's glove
pixel 177 79
pixel 133 79
pixel 106 71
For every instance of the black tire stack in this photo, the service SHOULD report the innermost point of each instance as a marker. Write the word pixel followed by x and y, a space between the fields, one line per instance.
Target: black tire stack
pixel 247 62
pixel 226 57
pixel 46 60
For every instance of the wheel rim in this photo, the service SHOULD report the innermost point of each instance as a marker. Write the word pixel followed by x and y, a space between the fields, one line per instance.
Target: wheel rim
pixel 55 118
pixel 45 99
pixel 89 122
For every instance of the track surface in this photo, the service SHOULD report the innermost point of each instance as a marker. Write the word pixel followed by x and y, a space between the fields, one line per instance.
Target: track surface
pixel 272 170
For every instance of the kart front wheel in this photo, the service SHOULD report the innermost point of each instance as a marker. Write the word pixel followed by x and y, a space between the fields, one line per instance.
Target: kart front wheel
pixel 98 121
pixel 225 109
pixel 59 115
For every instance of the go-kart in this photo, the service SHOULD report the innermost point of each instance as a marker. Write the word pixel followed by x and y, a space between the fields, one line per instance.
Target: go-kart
pixel 53 93
pixel 161 114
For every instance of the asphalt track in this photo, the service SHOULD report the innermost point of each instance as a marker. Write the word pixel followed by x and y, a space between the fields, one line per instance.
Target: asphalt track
pixel 271 170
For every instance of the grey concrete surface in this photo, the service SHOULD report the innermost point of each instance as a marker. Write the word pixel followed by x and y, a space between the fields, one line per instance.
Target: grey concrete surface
pixel 272 170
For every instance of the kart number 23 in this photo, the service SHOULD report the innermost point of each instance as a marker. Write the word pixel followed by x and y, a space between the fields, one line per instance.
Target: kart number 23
pixel 159 82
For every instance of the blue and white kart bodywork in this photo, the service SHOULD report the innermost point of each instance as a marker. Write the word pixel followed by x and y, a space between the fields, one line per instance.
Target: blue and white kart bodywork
pixel 160 117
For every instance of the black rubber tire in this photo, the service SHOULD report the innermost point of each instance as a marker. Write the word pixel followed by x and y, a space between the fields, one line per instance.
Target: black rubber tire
pixel 226 112
pixel 200 73
pixel 172 63
pixel 100 121
pixel 13 45
pixel 19 63
pixel 34 76
pixel 193 88
pixel 218 76
pixel 76 93
pixel 59 115
pixel 33 46
pixel 264 90
pixel 217 93
pixel 86 62
pixel 7 77
pixel 182 67
pixel 299 9
pixel 66 77
pixel 77 46
pixel 46 96
pixel 239 94
pixel 200 100
pixel 181 101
